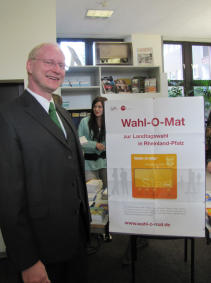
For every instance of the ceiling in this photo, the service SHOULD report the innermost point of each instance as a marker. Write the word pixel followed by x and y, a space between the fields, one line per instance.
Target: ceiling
pixel 169 18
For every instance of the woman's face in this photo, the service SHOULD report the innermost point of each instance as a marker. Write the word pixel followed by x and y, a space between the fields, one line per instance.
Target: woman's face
pixel 98 109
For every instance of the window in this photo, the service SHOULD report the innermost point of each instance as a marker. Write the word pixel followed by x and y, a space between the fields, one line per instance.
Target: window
pixel 173 66
pixel 80 51
pixel 188 67
pixel 74 52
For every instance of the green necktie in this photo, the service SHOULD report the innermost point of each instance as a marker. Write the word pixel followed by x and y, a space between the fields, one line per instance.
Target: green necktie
pixel 52 114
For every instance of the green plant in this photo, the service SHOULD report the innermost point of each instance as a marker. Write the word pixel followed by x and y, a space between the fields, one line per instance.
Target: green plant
pixel 204 91
pixel 175 91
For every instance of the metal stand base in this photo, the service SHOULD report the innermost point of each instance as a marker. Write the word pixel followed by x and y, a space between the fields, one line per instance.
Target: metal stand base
pixel 133 246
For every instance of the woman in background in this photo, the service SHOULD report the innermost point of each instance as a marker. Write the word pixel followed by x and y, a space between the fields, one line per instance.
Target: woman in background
pixel 93 128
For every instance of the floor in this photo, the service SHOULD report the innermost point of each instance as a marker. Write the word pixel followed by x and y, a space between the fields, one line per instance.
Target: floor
pixel 159 261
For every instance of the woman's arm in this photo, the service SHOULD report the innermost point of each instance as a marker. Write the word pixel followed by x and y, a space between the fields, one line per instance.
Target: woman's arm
pixel 83 130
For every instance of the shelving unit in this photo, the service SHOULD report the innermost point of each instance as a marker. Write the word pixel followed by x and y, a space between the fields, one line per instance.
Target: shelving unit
pixel 86 83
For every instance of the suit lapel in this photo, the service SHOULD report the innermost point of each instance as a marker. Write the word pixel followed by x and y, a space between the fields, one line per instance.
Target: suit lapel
pixel 36 111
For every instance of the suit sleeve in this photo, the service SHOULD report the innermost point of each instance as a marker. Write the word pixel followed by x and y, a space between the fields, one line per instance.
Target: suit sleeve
pixel 14 219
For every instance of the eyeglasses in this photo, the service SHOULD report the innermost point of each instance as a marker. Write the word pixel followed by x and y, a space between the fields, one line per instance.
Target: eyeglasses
pixel 51 63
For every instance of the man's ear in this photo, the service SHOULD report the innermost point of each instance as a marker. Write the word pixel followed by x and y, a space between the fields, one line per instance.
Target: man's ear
pixel 29 66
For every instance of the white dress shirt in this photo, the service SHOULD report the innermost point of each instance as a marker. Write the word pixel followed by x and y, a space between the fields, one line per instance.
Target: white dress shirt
pixel 45 103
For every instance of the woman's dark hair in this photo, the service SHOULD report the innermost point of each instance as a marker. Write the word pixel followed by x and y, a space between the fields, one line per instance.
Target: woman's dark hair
pixel 93 126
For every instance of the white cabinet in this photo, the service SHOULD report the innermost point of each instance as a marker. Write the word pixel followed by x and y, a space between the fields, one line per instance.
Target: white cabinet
pixel 83 83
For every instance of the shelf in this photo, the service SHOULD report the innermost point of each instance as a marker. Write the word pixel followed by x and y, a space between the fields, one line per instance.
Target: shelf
pixel 81 97
pixel 80 69
pixel 129 72
pixel 66 90
pixel 128 68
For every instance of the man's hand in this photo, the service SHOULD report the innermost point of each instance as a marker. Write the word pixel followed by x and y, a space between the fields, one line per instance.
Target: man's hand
pixel 35 274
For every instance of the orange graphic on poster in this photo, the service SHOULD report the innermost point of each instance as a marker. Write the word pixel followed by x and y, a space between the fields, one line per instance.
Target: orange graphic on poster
pixel 154 176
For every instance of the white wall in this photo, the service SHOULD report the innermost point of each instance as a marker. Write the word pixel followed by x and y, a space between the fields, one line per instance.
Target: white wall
pixel 145 41
pixel 23 24
pixel 156 43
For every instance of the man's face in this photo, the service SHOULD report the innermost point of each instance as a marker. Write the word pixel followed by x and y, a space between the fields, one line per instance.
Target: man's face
pixel 46 71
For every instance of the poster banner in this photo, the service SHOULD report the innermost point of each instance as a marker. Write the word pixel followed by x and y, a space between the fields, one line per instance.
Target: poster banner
pixel 156 166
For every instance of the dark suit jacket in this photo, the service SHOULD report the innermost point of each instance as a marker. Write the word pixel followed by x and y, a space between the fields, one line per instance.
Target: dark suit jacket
pixel 39 203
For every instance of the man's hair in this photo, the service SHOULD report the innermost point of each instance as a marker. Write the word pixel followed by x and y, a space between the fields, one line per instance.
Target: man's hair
pixel 33 53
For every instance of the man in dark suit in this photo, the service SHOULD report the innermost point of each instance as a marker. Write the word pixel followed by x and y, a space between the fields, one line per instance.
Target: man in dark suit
pixel 44 213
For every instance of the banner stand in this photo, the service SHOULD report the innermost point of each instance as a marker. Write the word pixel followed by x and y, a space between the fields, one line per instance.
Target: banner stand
pixel 156 177
pixel 133 247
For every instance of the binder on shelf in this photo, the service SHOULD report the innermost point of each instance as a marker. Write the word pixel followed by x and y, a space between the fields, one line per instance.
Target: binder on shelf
pixel 78 115
pixel 150 85
pixel 137 84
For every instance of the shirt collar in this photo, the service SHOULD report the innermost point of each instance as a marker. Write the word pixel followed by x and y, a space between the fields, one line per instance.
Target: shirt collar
pixel 45 103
